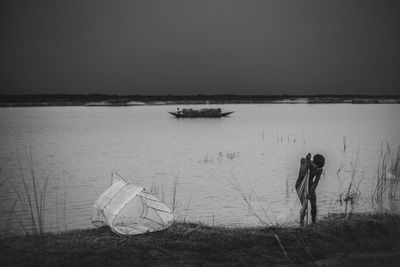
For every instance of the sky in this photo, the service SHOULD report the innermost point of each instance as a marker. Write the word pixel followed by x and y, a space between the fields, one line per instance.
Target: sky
pixel 192 47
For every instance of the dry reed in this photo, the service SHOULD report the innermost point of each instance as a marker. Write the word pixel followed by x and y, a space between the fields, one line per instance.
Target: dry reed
pixel 32 197
pixel 387 177
pixel 251 209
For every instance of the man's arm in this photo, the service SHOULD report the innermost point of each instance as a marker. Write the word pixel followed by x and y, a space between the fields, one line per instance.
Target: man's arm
pixel 316 180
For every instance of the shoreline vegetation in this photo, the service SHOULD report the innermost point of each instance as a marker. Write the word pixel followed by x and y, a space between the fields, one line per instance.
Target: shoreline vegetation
pixel 138 100
pixel 338 240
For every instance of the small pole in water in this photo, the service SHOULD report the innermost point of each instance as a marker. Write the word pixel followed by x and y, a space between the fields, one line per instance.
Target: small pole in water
pixel 287 189
pixel 344 143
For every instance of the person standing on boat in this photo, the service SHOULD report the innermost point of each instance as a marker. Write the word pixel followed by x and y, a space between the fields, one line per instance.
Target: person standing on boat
pixel 309 175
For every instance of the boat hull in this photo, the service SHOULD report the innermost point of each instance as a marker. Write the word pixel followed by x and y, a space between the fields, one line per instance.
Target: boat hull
pixel 180 115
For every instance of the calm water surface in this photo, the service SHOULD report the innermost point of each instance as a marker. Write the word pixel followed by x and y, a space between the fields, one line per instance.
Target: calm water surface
pixel 257 150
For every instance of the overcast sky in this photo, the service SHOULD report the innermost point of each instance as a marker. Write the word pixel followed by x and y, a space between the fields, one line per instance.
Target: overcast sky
pixel 200 47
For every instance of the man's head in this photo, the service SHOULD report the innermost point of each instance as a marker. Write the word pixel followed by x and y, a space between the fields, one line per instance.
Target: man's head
pixel 319 160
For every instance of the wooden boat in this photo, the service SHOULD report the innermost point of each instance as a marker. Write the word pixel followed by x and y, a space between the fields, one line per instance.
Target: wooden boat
pixel 202 113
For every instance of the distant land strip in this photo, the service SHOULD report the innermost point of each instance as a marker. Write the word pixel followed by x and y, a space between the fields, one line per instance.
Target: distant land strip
pixel 137 100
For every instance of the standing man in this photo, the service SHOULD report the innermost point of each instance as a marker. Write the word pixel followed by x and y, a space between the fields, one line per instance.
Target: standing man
pixel 309 175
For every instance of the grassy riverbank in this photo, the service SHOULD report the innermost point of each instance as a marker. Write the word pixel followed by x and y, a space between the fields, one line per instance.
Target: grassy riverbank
pixel 359 240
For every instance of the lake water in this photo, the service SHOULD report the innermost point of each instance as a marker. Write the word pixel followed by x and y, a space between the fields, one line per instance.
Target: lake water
pixel 253 153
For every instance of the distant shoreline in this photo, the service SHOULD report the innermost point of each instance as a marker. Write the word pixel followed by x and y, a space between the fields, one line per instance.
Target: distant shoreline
pixel 139 100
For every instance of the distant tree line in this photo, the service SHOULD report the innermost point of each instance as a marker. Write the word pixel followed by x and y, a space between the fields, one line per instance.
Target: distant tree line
pixel 75 99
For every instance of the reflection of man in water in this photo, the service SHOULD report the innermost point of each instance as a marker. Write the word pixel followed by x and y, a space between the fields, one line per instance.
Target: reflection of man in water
pixel 311 169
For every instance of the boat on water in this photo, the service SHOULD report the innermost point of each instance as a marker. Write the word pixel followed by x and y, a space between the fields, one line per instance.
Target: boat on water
pixel 200 113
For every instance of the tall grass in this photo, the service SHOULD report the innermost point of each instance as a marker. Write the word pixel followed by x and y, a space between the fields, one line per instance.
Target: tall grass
pixel 32 198
pixel 387 176
pixel 10 217
pixel 187 208
pixel 65 204
pixel 158 191
pixel 253 212
pixel 174 191
pixel 2 180
pixel 352 193
pixel 394 170
pixel 380 188
pixel 248 200
pixel 283 249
